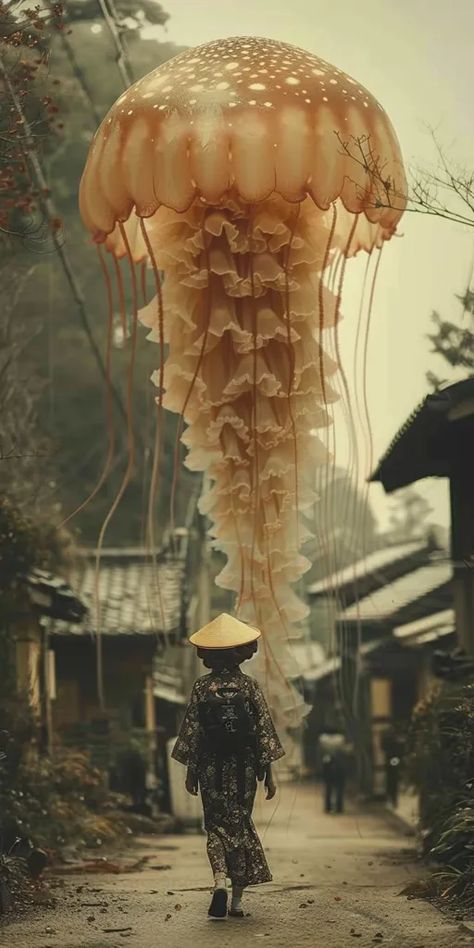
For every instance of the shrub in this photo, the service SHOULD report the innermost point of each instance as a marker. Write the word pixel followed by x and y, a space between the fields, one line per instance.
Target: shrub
pixel 440 765
pixel 55 801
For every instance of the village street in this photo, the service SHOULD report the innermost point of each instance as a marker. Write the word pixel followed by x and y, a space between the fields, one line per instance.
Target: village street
pixel 337 881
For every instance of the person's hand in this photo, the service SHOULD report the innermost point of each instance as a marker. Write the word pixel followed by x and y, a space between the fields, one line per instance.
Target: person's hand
pixel 192 783
pixel 270 787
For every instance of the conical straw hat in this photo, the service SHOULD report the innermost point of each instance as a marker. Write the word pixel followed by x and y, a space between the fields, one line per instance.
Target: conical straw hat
pixel 224 632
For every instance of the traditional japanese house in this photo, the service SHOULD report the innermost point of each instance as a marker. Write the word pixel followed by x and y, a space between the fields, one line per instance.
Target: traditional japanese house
pixel 438 441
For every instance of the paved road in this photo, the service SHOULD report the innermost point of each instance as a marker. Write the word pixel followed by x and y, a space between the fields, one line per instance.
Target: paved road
pixel 336 883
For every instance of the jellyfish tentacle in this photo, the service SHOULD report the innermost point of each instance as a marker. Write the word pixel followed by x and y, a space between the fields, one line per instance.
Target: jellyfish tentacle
pixel 358 339
pixel 109 412
pixel 143 271
pixel 121 292
pixel 255 483
pixel 157 444
pixel 360 385
pixel 245 390
pixel 363 524
pixel 346 400
pixel 127 474
pixel 358 514
pixel 240 546
pixel 291 358
pixel 366 356
pixel 330 460
pixel 260 618
pixel 188 396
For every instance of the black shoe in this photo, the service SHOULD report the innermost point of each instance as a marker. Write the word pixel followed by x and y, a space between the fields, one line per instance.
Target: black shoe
pixel 218 906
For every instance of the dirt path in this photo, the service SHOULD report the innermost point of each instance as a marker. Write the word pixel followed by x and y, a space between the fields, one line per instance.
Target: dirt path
pixel 337 883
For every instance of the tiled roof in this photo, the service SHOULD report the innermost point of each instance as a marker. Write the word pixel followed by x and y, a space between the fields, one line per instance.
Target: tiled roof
pixel 136 597
pixel 394 603
pixel 50 595
pixel 423 445
pixel 427 629
pixel 373 564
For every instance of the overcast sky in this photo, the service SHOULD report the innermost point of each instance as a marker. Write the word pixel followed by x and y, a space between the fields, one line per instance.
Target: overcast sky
pixel 415 56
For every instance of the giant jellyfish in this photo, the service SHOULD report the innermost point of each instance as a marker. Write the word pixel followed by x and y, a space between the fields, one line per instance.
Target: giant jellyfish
pixel 228 170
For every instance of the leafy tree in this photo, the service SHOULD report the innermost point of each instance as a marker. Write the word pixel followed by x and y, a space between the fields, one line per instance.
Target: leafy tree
pixel 131 14
pixel 71 392
pixel 454 342
pixel 28 112
pixel 409 514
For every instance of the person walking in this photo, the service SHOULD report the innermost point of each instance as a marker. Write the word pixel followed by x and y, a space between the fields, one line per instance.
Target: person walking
pixel 392 747
pixel 334 751
pixel 228 742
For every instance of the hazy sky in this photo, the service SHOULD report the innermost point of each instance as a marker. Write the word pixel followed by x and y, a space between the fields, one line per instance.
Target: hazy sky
pixel 415 56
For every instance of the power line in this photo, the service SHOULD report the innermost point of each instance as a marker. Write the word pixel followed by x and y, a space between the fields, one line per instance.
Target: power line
pixel 110 14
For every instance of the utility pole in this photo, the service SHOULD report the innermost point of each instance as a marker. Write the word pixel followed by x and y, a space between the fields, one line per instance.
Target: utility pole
pixel 201 614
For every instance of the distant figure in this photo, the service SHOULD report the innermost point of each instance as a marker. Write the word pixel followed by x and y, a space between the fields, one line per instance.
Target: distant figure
pixel 334 751
pixel 393 748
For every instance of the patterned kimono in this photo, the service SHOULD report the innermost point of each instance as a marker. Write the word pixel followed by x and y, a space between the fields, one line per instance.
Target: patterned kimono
pixel 233 846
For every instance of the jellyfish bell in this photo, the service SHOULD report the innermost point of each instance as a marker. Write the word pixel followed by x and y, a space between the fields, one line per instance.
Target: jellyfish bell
pixel 256 115
pixel 248 171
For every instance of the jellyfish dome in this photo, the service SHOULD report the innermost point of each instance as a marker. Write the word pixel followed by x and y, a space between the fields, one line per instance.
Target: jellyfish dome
pixel 240 169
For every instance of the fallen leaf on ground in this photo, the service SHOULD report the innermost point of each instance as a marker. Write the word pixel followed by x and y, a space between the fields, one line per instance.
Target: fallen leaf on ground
pixel 103 865
pixel 109 930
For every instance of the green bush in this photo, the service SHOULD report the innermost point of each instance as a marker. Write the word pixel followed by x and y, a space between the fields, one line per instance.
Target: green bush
pixel 55 801
pixel 440 765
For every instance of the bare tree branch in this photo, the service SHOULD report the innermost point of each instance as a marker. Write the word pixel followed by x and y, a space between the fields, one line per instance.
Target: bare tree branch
pixel 446 191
